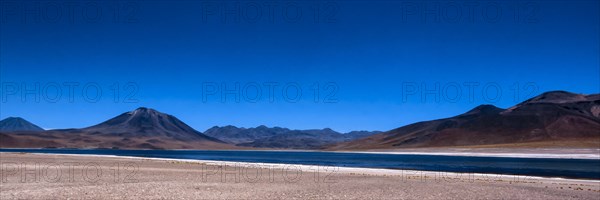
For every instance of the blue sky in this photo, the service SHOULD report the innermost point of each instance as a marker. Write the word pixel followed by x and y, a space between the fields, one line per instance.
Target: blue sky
pixel 370 61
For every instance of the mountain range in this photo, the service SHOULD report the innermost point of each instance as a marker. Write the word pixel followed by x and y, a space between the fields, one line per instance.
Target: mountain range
pixel 555 118
pixel 277 137
pixel 146 128
pixel 142 128
pixel 552 119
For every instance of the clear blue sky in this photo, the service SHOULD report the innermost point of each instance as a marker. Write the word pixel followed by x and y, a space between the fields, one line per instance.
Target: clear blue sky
pixel 365 54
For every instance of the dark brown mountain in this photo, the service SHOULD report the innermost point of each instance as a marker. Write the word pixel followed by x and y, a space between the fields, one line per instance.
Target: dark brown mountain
pixel 550 119
pixel 277 137
pixel 18 124
pixel 145 122
pixel 142 128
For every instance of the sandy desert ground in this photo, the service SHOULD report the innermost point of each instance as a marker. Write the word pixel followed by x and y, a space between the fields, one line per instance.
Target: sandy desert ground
pixel 51 176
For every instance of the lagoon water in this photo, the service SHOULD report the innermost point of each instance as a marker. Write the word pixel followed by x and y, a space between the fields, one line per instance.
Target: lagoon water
pixel 546 167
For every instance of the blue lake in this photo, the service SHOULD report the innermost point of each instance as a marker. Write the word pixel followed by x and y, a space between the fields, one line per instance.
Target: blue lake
pixel 546 167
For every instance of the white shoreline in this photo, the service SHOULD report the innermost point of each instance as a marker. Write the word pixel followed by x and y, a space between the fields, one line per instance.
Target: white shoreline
pixel 357 170
pixel 478 154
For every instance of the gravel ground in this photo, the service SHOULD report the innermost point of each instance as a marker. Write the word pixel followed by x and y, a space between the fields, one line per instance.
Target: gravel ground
pixel 36 176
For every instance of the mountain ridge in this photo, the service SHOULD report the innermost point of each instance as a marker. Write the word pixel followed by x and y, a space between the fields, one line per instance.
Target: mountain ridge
pixel 549 117
pixel 141 128
pixel 278 137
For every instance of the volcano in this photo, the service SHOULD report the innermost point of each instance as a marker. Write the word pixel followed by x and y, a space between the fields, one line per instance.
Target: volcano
pixel 146 122
pixel 18 124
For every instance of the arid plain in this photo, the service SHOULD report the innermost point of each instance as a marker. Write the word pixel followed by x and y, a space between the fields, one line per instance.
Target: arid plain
pixel 38 176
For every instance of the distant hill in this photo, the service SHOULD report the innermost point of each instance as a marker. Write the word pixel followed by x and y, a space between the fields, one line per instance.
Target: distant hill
pixel 18 124
pixel 549 119
pixel 277 137
pixel 142 128
pixel 235 135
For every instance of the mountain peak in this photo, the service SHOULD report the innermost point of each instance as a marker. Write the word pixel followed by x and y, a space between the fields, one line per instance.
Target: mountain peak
pixel 14 118
pixel 141 117
pixel 556 97
pixel 144 110
pixel 18 124
pixel 484 109
pixel 262 126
